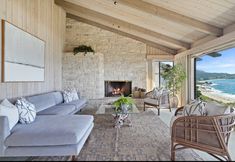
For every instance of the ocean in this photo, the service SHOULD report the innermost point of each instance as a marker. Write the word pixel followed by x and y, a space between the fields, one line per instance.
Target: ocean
pixel 224 85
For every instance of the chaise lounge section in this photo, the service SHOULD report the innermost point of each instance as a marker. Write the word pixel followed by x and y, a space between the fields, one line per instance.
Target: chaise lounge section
pixel 55 131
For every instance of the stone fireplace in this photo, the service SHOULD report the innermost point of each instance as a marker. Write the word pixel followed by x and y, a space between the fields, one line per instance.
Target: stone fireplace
pixel 117 88
pixel 117 58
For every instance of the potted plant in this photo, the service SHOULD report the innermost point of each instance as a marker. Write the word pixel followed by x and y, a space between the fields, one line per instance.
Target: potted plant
pixel 174 77
pixel 82 48
pixel 123 104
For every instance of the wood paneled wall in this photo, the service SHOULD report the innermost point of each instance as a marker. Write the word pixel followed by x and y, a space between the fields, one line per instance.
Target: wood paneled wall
pixel 158 54
pixel 45 20
pixel 183 94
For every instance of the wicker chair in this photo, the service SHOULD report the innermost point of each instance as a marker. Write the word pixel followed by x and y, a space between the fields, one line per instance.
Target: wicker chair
pixel 163 102
pixel 206 133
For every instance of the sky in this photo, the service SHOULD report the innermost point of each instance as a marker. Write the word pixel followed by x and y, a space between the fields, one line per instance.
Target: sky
pixel 222 64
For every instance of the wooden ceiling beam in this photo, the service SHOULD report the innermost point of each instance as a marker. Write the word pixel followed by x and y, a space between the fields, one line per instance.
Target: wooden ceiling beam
pixel 160 57
pixel 172 16
pixel 122 26
pixel 100 11
pixel 152 44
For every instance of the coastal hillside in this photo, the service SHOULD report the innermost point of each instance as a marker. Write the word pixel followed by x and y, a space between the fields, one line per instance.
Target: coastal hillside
pixel 202 75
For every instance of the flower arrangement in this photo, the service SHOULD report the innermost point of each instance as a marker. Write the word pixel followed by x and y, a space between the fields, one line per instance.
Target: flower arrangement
pixel 123 104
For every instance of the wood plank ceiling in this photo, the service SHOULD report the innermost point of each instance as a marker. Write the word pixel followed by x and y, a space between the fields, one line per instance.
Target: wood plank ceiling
pixel 170 25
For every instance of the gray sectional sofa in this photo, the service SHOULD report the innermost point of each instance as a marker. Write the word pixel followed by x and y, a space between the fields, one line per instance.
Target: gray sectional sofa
pixel 56 131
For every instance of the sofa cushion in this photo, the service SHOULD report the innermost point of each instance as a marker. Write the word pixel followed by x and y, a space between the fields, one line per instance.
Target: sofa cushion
pixel 51 130
pixel 58 97
pixel 42 101
pixel 78 103
pixel 59 110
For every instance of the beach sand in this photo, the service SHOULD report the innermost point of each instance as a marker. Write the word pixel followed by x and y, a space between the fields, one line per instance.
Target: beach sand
pixel 218 95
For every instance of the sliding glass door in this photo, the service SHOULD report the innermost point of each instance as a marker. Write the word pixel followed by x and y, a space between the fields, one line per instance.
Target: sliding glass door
pixel 158 67
pixel 215 76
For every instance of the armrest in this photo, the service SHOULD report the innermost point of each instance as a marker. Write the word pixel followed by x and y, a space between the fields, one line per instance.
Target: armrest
pixel 4 133
pixel 149 94
pixel 183 126
pixel 206 130
pixel 179 110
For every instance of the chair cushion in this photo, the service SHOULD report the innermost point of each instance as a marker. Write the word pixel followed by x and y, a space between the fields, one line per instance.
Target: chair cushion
pixel 59 110
pixel 78 103
pixel 50 130
pixel 151 101
pixel 42 101
pixel 213 108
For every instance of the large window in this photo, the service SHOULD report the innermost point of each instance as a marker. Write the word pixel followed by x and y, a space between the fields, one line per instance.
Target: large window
pixel 159 81
pixel 215 76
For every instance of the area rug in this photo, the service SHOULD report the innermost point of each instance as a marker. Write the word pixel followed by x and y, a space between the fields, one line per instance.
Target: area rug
pixel 148 139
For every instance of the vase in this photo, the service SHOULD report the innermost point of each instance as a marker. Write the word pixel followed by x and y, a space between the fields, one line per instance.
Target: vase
pixel 142 94
pixel 136 94
pixel 124 108
pixel 174 101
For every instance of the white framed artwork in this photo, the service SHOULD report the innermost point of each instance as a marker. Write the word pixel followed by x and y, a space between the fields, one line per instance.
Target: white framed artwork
pixel 22 55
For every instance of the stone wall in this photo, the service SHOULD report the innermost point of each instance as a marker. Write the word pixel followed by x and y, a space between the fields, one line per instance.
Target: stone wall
pixel 86 73
pixel 123 59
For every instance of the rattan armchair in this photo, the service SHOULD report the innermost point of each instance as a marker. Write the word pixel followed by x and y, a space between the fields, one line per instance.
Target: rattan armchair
pixel 162 102
pixel 206 133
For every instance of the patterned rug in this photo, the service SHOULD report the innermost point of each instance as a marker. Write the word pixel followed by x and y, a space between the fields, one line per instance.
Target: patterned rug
pixel 148 139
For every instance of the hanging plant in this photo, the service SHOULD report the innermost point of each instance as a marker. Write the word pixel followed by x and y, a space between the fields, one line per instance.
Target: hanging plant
pixel 82 48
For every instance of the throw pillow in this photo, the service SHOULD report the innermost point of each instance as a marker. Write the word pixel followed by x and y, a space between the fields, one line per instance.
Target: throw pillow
pixel 27 111
pixel 67 96
pixel 70 95
pixel 10 111
pixel 195 107
pixel 157 92
pixel 74 94
pixel 214 108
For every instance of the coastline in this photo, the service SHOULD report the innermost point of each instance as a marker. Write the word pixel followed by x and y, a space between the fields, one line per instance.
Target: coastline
pixel 218 95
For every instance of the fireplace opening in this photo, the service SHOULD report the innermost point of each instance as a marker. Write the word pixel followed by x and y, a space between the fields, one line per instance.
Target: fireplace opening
pixel 117 88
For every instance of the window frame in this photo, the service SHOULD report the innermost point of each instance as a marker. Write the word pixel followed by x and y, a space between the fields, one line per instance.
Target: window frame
pixel 173 64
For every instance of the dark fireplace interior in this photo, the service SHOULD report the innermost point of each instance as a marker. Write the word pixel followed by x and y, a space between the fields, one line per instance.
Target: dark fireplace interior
pixel 117 88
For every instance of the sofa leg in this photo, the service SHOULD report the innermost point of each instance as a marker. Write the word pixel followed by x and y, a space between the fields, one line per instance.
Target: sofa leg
pixel 74 158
